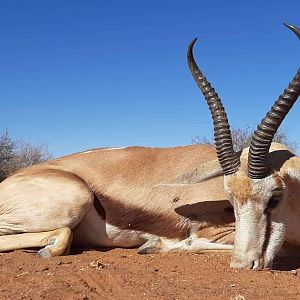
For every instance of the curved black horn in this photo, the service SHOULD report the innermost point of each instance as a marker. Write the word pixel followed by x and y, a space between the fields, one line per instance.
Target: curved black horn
pixel 228 159
pixel 293 28
pixel 261 140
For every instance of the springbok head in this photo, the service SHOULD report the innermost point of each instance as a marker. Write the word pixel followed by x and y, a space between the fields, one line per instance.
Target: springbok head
pixel 255 186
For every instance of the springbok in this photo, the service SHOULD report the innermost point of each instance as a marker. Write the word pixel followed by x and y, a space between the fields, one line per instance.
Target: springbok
pixel 163 199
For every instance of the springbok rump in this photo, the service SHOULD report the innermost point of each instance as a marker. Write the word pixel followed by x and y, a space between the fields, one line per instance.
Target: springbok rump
pixel 164 199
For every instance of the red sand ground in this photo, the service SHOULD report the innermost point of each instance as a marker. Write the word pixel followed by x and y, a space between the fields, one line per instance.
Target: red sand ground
pixel 123 274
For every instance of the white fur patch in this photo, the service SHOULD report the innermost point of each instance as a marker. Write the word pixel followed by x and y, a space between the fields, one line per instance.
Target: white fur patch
pixel 89 151
pixel 294 173
pixel 193 244
pixel 103 149
pixel 275 242
pixel 93 230
pixel 171 184
pixel 122 237
pixel 251 227
pixel 116 148
pixel 249 235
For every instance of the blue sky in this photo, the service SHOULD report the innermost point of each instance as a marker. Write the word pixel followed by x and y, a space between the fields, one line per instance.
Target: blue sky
pixel 85 74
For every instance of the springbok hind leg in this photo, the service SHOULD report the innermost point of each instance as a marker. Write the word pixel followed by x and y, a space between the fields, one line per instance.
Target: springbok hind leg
pixel 55 242
pixel 41 209
pixel 58 243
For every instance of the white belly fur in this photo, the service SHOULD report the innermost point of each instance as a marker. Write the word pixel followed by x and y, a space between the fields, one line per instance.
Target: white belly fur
pixel 94 231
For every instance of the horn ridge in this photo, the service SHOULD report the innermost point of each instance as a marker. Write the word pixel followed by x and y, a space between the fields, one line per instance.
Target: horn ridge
pixel 258 166
pixel 261 140
pixel 227 157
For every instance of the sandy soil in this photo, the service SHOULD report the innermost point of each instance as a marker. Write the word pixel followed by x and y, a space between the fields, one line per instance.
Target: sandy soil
pixel 123 274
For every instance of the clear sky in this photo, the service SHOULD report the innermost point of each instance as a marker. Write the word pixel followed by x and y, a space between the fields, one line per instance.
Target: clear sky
pixel 85 74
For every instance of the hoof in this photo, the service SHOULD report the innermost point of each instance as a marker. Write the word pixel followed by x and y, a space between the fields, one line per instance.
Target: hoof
pixel 147 250
pixel 150 247
pixel 44 253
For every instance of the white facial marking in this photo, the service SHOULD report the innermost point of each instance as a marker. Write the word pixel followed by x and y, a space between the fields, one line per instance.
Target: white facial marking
pixel 250 235
pixel 251 227
pixel 262 188
pixel 276 240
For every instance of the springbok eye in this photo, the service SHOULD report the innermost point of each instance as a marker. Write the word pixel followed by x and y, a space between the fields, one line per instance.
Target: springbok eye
pixel 274 200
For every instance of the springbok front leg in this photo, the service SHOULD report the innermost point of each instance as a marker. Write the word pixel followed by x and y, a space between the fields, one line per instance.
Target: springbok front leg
pixel 191 244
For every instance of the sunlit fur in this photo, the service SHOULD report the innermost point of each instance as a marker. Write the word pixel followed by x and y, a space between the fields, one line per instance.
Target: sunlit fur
pixel 118 198
pixel 158 199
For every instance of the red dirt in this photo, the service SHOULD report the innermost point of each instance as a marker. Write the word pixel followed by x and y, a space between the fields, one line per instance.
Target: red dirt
pixel 123 274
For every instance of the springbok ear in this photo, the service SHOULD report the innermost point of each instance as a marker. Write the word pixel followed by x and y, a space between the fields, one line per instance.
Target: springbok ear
pixel 218 212
pixel 204 172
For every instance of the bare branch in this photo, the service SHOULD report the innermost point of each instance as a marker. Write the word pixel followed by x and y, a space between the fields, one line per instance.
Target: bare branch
pixel 242 137
pixel 17 154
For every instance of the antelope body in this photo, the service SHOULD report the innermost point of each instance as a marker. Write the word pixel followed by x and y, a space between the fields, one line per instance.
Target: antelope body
pixel 164 199
pixel 117 198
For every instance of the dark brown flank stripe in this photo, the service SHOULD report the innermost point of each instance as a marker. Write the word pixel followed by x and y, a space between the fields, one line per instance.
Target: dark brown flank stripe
pixel 99 208
pixel 162 224
pixel 129 217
